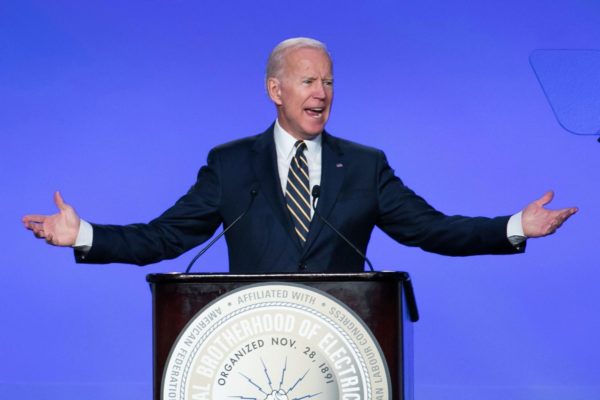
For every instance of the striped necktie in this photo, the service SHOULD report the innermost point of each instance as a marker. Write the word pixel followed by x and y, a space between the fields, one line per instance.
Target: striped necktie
pixel 297 193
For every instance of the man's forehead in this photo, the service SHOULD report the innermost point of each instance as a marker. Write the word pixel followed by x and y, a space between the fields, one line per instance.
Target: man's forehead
pixel 307 61
pixel 307 52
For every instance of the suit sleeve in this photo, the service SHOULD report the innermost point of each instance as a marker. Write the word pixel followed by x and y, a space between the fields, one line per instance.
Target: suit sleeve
pixel 192 220
pixel 409 219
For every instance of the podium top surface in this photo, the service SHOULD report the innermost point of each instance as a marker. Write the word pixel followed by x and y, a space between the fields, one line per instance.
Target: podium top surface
pixel 403 278
pixel 307 277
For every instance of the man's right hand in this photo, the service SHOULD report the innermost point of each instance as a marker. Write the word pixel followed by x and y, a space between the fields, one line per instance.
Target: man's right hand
pixel 60 229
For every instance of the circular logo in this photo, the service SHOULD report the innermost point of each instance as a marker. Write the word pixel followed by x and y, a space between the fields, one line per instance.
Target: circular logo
pixel 276 341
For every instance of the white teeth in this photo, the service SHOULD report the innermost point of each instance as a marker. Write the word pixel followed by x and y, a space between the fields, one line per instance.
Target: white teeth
pixel 316 112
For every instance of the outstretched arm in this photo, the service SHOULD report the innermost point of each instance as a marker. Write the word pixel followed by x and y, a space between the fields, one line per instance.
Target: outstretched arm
pixel 538 221
pixel 59 229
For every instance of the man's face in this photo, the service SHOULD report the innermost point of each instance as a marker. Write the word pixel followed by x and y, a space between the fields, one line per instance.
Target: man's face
pixel 303 93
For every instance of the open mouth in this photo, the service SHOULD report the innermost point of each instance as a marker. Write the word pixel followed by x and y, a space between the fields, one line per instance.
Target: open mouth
pixel 315 112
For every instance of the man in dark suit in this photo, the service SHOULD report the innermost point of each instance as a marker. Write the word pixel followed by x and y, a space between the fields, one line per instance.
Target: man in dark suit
pixel 272 175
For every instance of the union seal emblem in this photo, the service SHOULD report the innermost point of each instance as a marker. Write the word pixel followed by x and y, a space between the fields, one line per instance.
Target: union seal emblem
pixel 276 341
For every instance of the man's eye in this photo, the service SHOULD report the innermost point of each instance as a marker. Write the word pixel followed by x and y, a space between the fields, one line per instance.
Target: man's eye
pixel 328 83
pixel 307 81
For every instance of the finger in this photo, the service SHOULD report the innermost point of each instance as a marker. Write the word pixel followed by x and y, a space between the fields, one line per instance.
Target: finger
pixel 567 213
pixel 37 219
pixel 561 216
pixel 546 198
pixel 37 229
pixel 32 226
pixel 58 200
pixel 563 213
pixel 573 210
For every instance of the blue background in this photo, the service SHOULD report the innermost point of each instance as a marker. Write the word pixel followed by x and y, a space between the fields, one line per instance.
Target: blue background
pixel 117 104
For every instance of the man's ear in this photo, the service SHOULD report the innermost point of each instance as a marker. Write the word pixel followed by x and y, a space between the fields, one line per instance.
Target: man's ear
pixel 274 90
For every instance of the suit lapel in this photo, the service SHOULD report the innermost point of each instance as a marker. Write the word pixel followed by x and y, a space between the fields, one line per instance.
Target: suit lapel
pixel 267 175
pixel 332 178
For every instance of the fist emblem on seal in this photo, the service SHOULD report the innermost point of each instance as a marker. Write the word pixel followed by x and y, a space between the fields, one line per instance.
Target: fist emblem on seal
pixel 277 395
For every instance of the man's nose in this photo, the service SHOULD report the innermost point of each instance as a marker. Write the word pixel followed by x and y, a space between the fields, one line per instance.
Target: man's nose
pixel 319 91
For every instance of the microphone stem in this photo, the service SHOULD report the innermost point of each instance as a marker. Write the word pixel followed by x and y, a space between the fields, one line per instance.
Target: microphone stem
pixel 348 242
pixel 253 194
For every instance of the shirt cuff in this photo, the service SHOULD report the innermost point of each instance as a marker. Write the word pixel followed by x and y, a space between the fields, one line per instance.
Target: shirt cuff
pixel 85 237
pixel 514 230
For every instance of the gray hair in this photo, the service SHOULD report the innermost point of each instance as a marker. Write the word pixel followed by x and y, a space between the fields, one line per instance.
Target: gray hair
pixel 275 63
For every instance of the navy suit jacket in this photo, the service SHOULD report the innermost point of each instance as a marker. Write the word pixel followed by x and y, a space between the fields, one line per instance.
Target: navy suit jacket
pixel 358 192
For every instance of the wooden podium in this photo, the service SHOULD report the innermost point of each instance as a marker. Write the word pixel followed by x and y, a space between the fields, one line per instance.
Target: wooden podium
pixel 383 301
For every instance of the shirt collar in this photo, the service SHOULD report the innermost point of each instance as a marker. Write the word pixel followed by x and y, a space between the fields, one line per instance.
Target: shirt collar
pixel 284 142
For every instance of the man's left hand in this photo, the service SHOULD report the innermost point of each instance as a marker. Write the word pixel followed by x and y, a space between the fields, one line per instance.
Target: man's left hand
pixel 538 221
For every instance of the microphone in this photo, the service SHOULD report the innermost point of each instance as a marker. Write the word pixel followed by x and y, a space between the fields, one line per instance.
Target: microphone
pixel 316 192
pixel 253 193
